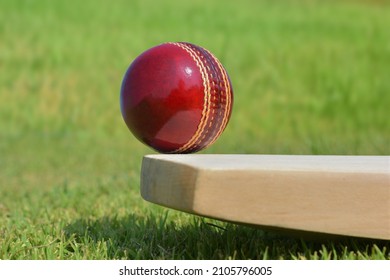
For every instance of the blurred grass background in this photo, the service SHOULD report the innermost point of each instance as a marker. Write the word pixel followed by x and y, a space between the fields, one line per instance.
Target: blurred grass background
pixel 309 77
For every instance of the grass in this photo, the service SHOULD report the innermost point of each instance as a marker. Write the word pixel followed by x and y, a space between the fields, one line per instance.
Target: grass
pixel 310 77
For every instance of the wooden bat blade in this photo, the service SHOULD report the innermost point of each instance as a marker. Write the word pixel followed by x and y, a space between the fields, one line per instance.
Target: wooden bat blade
pixel 343 195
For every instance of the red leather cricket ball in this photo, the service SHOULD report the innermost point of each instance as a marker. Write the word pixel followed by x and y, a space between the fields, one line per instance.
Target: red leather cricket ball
pixel 176 98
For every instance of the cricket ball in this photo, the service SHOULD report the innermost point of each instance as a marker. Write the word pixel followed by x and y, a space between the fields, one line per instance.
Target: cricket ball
pixel 176 98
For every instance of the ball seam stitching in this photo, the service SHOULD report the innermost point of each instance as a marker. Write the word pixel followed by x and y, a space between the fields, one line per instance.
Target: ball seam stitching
pixel 205 112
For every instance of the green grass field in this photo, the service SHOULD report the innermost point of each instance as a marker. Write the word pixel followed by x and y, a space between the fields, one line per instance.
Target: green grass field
pixel 309 77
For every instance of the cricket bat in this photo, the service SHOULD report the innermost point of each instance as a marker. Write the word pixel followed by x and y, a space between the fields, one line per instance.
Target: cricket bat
pixel 342 195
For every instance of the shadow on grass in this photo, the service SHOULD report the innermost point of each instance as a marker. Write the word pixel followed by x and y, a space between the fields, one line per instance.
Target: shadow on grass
pixel 157 237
